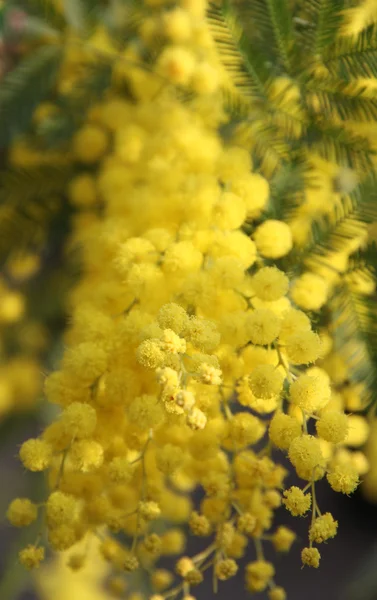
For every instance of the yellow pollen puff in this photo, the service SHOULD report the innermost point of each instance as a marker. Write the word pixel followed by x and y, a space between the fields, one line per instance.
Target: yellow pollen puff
pixel 176 64
pixel 169 458
pixel 309 393
pixel 310 291
pixel 209 374
pixel 273 239
pixel 171 343
pixel 150 354
pixel 277 593
pixel 86 455
pixel 199 524
pixel 262 326
pixel 333 426
pixel 246 523
pixel 310 557
pixel 82 191
pixel 79 420
pixel 226 568
pixel 270 284
pixel 35 454
pixel 343 478
pixel 303 348
pixel 90 144
pixel 31 556
pixel 161 579
pixel 323 528
pixel 130 564
pixel 305 454
pixel 202 334
pixel 172 316
pixel 152 543
pixel 283 539
pixel 283 430
pixel 149 510
pixel 22 512
pixel 120 470
pixel 293 321
pixel 184 565
pixel 254 190
pixel 196 419
pixel 86 362
pixel 145 411
pixel 266 381
pixel 244 429
pixel 182 257
pixel 258 574
pixel 205 79
pixel 229 211
pixel 177 25
pixel 296 501
pixel 358 431
pixel 61 509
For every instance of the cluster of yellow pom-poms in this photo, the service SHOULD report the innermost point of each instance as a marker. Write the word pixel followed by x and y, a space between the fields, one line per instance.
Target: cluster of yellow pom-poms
pixel 190 355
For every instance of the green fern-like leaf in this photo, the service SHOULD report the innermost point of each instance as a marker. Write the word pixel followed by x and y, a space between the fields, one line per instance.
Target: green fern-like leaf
pixel 247 72
pixel 351 57
pixel 354 323
pixel 320 24
pixel 364 260
pixel 335 144
pixel 24 88
pixel 44 10
pixel 282 27
pixel 29 200
pixel 332 232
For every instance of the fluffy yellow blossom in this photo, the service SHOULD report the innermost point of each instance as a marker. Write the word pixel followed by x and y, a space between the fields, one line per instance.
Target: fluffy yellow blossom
pixel 310 291
pixel 323 528
pixel 177 64
pixel 293 320
pixel 283 539
pixel 31 556
pixel 296 501
pixel 277 593
pixel 262 326
pixel 333 426
pixel 283 430
pixel 273 239
pixel 266 381
pixel 303 348
pixel 79 420
pixel 270 283
pixel 310 557
pixel 305 454
pixel 258 574
pixel 343 478
pixel 172 316
pixel 309 393
pixel 36 454
pixel 21 512
pixel 90 144
pixel 225 569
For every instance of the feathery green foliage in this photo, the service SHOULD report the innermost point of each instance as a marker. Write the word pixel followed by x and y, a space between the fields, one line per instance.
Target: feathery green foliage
pixel 24 88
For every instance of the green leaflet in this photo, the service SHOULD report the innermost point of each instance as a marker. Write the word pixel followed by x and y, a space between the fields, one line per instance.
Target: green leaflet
pixel 351 57
pixel 354 320
pixel 24 88
pixel 29 200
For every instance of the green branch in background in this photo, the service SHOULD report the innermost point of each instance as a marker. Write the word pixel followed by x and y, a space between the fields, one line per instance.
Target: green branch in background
pixel 24 88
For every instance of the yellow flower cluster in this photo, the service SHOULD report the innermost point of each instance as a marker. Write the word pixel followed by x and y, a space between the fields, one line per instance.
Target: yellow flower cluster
pixel 188 356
